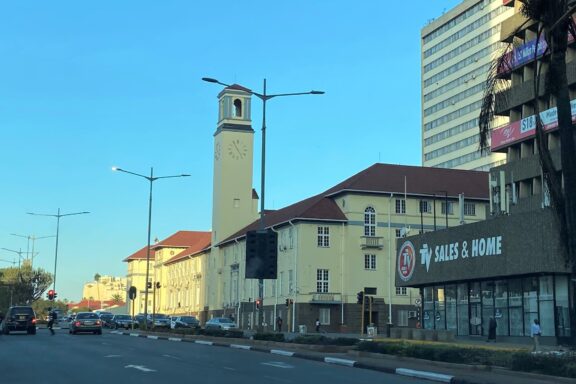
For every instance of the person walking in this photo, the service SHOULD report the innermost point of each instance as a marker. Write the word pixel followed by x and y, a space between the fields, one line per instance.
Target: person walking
pixel 278 324
pixel 52 315
pixel 492 330
pixel 317 325
pixel 535 332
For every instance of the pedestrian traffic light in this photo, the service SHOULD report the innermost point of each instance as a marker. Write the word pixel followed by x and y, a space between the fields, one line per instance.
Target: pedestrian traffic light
pixel 258 303
pixel 149 285
pixel 50 294
pixel 360 297
pixel 55 294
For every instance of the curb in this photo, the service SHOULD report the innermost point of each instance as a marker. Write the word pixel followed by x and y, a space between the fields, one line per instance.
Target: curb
pixel 433 376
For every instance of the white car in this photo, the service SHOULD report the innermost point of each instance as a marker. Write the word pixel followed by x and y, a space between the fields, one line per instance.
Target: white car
pixel 223 323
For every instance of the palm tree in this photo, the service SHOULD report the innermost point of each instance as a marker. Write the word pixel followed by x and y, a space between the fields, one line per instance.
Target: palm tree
pixel 97 280
pixel 555 22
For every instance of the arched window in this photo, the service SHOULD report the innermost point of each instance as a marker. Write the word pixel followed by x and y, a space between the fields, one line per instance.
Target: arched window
pixel 237 108
pixel 369 222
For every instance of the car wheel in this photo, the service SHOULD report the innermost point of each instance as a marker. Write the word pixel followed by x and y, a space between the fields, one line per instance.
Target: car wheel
pixel 31 331
pixel 99 332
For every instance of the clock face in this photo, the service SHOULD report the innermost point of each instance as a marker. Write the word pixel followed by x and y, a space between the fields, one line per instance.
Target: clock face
pixel 237 149
pixel 218 151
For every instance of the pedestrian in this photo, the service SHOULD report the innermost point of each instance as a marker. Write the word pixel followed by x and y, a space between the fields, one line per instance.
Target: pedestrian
pixel 535 332
pixel 317 325
pixel 52 316
pixel 492 330
pixel 279 324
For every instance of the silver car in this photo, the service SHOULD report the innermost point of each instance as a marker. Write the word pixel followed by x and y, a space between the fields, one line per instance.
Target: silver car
pixel 223 323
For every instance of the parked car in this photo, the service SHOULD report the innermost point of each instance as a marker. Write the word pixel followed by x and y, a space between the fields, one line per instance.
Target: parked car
pixel 123 321
pixel 106 319
pixel 184 322
pixel 160 320
pixel 86 322
pixel 19 318
pixel 220 323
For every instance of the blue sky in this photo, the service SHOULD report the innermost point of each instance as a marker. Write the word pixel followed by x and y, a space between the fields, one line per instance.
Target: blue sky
pixel 85 86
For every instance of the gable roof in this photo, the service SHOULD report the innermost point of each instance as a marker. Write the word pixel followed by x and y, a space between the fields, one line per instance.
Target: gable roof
pixel 379 179
pixel 188 240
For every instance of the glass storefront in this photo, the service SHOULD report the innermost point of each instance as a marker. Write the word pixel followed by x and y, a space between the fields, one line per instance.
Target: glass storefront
pixel 466 308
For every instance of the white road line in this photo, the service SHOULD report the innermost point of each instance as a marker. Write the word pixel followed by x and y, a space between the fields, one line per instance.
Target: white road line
pixel 172 357
pixel 203 342
pixel 281 352
pixel 229 369
pixel 113 356
pixel 238 346
pixel 424 375
pixel 174 339
pixel 140 368
pixel 335 360
pixel 278 364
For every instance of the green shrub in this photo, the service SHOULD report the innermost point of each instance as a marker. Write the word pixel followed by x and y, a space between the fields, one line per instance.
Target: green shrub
pixel 311 339
pixel 269 336
pixel 344 341
pixel 546 364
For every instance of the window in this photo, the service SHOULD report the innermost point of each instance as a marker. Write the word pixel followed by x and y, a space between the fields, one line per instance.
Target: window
pixel 469 209
pixel 370 262
pixel 425 206
pixel 398 233
pixel 323 236
pixel 401 291
pixel 322 281
pixel 237 108
pixel 402 318
pixel 400 206
pixel 324 316
pixel 450 207
pixel 369 222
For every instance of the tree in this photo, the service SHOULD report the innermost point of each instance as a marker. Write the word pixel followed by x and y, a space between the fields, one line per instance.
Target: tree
pixel 25 285
pixel 117 299
pixel 555 22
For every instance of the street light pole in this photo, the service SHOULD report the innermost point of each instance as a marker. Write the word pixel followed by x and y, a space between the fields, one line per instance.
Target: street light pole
pixel 17 252
pixel 57 216
pixel 31 255
pixel 151 180
pixel 262 224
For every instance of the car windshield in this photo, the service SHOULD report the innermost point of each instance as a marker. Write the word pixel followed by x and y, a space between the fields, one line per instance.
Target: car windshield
pixel 22 310
pixel 188 319
pixel 159 316
pixel 81 316
pixel 224 320
pixel 122 317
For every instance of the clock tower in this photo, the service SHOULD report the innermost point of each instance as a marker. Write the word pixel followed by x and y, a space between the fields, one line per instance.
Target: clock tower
pixel 233 205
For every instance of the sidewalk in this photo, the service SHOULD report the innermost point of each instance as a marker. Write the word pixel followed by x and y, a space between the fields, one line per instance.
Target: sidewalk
pixel 431 370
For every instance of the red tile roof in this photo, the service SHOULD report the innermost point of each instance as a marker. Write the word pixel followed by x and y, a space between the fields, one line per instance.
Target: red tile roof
pixel 184 239
pixel 379 179
pixel 140 255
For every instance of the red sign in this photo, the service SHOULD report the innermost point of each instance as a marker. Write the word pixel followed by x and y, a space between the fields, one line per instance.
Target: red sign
pixel 406 261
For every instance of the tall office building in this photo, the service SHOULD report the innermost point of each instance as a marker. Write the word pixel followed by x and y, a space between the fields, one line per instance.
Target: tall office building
pixel 457 50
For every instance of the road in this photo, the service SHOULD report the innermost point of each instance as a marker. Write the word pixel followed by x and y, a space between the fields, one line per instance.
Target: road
pixel 112 358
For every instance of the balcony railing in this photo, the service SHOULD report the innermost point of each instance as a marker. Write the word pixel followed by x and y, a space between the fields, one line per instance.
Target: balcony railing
pixel 326 298
pixel 372 242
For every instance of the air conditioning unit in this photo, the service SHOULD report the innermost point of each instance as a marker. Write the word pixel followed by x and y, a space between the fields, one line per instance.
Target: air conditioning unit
pixel 412 314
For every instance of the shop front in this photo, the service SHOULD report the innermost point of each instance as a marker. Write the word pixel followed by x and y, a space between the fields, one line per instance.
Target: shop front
pixel 509 268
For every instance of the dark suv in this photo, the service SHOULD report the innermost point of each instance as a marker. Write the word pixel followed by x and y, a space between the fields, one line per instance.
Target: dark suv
pixel 19 318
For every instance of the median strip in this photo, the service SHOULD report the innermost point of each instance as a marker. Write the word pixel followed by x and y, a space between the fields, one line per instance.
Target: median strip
pixel 424 375
pixel 337 361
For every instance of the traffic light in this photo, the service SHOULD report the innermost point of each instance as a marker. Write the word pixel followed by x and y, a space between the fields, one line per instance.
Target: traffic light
pixel 258 303
pixel 287 302
pixel 360 297
pixel 158 285
pixel 50 294
pixel 261 255
pixel 149 285
pixel 55 294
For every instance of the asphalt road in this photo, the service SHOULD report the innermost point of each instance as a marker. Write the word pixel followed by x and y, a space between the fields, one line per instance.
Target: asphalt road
pixel 112 358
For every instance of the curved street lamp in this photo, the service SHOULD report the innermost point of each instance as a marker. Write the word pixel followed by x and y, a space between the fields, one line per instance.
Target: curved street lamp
pixel 264 97
pixel 151 180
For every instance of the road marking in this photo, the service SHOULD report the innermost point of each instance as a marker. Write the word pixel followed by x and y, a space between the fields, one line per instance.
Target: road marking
pixel 424 375
pixel 203 342
pixel 239 346
pixel 113 356
pixel 152 337
pixel 174 339
pixel 140 368
pixel 281 352
pixel 335 360
pixel 229 369
pixel 172 357
pixel 278 364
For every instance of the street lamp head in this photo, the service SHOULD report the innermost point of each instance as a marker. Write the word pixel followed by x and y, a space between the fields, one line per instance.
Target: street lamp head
pixel 210 80
pixel 116 168
pixel 185 175
pixel 317 92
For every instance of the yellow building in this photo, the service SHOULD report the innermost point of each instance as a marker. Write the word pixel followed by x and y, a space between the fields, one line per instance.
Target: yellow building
pixel 331 246
pixel 106 288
